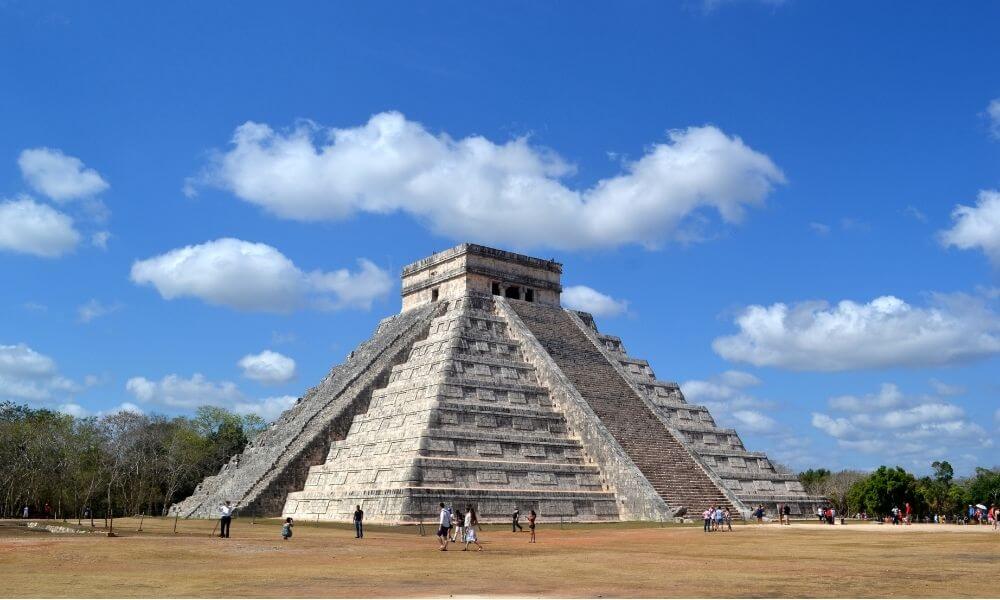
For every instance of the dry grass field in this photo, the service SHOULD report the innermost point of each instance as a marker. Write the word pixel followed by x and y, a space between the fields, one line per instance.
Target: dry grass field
pixel 620 560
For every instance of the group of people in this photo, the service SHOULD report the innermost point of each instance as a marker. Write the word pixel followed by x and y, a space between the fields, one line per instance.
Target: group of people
pixel 827 515
pixel 465 526
pixel 717 518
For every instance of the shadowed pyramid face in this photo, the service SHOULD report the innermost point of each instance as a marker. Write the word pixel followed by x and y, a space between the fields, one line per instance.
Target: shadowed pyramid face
pixel 484 391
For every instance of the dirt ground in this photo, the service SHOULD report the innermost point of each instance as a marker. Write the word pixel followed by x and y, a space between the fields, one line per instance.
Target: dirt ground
pixel 619 560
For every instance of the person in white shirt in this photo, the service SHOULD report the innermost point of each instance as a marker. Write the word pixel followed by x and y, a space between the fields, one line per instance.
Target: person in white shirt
pixel 227 516
pixel 471 522
pixel 444 524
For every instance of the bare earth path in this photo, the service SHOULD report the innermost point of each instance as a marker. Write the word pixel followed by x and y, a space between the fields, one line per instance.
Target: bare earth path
pixel 633 560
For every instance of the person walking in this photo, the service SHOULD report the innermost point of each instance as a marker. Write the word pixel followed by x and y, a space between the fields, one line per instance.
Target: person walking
pixel 458 534
pixel 515 524
pixel 707 517
pixel 909 513
pixel 444 524
pixel 359 517
pixel 286 529
pixel 786 514
pixel 227 516
pixel 24 513
pixel 470 524
pixel 727 517
pixel 531 526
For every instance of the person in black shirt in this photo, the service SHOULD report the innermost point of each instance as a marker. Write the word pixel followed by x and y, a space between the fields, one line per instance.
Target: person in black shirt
pixel 359 516
pixel 515 526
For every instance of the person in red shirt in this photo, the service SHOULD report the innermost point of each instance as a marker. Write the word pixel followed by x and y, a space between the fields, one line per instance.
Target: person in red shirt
pixel 909 513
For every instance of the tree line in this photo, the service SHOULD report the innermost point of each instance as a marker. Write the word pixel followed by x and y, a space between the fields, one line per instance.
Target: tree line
pixel 878 492
pixel 124 463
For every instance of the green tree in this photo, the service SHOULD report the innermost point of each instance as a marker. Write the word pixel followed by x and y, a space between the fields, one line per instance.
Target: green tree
pixel 812 480
pixel 884 489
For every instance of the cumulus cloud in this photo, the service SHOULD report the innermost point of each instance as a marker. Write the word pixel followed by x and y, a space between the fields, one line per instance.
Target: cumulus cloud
pixel 581 297
pixel 28 375
pixel 268 367
pixel 886 332
pixel 176 392
pixel 28 227
pixel 59 176
pixel 472 188
pixel 889 423
pixel 257 277
pixel 94 309
pixel 976 227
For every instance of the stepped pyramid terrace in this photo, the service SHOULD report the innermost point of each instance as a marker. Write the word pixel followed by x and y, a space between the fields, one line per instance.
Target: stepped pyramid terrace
pixel 484 390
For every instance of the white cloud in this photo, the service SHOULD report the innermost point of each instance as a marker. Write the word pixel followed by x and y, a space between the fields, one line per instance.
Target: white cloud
pixel 100 239
pixel 581 297
pixel 886 332
pixel 888 396
pixel 755 421
pixel 27 375
pixel 892 425
pixel 59 176
pixel 32 228
pixel 257 277
pixel 74 410
pixel 739 379
pixel 268 367
pixel 266 408
pixel 94 309
pixel 993 114
pixel 944 389
pixel 510 193
pixel 176 392
pixel 976 226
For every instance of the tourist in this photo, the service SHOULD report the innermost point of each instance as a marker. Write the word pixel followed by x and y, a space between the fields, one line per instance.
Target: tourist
pixel 48 511
pixel 531 526
pixel 227 516
pixel 786 514
pixel 471 522
pixel 820 511
pixel 909 513
pixel 727 518
pixel 25 513
pixel 707 516
pixel 286 529
pixel 759 514
pixel 444 524
pixel 459 522
pixel 515 525
pixel 359 517
pixel 718 518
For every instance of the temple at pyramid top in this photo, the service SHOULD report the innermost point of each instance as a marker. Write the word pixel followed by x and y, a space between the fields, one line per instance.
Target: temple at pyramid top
pixel 471 268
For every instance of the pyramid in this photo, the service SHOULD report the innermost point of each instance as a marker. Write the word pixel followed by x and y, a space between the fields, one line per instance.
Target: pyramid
pixel 485 391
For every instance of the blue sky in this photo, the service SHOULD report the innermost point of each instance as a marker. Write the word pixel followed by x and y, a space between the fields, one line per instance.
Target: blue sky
pixel 212 202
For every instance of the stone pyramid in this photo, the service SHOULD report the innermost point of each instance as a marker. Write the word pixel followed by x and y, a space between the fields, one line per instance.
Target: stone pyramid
pixel 485 391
